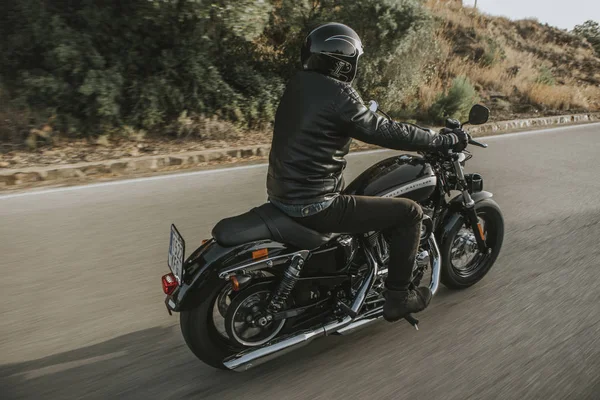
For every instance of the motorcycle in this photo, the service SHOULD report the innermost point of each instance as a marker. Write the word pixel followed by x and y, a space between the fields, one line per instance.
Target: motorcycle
pixel 264 285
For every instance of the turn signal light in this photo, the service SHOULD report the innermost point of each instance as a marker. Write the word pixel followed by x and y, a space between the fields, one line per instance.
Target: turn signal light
pixel 260 254
pixel 235 284
pixel 169 283
pixel 481 231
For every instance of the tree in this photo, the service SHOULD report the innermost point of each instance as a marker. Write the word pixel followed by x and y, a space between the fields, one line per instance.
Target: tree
pixel 92 67
pixel 591 31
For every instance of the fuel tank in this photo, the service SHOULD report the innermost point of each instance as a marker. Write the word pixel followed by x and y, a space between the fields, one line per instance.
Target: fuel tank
pixel 399 176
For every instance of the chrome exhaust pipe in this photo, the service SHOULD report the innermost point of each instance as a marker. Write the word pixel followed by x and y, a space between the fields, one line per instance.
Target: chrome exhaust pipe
pixel 261 354
pixel 256 356
pixel 435 265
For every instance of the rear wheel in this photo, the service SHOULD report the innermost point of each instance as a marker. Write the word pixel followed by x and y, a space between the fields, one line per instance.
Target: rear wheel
pixel 247 321
pixel 463 264
pixel 228 322
pixel 203 326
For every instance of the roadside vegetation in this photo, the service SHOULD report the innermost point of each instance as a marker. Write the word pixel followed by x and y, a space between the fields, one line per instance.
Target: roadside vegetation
pixel 109 72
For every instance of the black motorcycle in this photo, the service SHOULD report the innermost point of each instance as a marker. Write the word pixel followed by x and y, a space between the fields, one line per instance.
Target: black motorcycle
pixel 264 285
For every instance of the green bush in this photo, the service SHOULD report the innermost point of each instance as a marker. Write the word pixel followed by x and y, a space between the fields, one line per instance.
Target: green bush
pixel 141 63
pixel 590 30
pixel 98 66
pixel 456 102
pixel 493 52
pixel 399 45
pixel 397 37
pixel 545 77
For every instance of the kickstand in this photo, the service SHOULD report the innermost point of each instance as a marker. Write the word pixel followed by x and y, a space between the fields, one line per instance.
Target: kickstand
pixel 412 320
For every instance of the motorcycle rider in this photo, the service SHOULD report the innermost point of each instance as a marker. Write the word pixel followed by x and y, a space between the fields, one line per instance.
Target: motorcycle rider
pixel 319 114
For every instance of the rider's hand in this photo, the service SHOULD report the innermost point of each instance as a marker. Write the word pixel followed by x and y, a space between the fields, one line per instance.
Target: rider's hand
pixel 458 138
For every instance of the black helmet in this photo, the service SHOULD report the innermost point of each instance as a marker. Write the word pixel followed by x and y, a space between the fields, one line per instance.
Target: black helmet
pixel 332 49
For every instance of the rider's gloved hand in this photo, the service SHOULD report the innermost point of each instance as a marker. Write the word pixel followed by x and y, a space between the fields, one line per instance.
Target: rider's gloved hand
pixel 458 138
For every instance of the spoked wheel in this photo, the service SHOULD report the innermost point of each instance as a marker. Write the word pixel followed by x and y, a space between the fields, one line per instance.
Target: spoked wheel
pixel 247 321
pixel 465 256
pixel 463 264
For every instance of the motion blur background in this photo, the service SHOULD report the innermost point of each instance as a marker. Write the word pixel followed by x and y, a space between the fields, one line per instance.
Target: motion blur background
pixel 214 70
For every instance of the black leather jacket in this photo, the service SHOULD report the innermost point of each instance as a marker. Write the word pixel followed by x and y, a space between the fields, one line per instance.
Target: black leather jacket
pixel 315 122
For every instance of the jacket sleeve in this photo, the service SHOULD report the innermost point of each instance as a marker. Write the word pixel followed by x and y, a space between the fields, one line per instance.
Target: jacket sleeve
pixel 359 122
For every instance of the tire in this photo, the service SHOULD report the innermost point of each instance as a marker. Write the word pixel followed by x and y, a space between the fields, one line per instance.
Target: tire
pixel 200 333
pixel 490 212
pixel 261 287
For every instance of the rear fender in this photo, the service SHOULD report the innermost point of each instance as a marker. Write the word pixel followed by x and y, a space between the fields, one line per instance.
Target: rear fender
pixel 211 262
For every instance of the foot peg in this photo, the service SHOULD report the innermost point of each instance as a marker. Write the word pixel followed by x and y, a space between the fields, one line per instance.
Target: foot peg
pixel 344 307
pixel 412 320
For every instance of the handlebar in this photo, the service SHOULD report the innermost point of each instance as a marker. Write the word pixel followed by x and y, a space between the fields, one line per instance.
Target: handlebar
pixel 478 144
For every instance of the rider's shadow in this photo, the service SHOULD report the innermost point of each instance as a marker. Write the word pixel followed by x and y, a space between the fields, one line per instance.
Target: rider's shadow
pixel 128 366
pixel 156 363
pixel 147 364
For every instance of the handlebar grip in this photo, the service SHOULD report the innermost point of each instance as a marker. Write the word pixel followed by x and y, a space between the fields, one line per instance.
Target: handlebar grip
pixel 478 144
pixel 452 123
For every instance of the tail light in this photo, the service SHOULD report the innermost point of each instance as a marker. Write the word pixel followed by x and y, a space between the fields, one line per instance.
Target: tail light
pixel 169 283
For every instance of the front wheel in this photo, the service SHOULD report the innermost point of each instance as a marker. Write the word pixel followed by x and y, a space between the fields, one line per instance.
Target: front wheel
pixel 463 264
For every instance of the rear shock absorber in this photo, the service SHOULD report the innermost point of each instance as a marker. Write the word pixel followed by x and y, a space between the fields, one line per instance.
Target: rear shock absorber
pixel 290 277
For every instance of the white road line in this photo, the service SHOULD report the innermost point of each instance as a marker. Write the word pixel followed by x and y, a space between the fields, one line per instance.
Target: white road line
pixel 244 167
pixel 129 181
pixel 538 131
pixel 156 178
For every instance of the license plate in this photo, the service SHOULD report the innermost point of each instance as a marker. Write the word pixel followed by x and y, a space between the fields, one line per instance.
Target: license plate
pixel 176 254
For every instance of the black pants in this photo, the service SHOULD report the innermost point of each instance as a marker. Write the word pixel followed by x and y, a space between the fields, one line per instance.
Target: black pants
pixel 400 218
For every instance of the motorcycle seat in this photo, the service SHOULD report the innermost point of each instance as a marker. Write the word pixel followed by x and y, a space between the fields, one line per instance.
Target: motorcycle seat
pixel 267 222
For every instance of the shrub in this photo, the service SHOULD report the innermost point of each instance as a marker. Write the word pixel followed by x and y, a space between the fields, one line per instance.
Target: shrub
pixel 456 102
pixel 138 62
pixel 397 36
pixel 590 30
pixel 102 65
pixel 188 68
pixel 493 53
pixel 399 46
pixel 545 77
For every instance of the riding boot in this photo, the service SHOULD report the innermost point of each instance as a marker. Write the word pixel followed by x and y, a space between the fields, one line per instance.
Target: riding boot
pixel 399 303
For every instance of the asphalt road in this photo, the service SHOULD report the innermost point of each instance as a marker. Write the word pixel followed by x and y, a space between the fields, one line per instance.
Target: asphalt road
pixel 82 313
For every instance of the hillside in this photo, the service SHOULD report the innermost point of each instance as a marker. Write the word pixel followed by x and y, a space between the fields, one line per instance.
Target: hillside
pixel 518 68
pixel 79 82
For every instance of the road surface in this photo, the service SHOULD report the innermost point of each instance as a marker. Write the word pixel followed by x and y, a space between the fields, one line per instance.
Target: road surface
pixel 82 313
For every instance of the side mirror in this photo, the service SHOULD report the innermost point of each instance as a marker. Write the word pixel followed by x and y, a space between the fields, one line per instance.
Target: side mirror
pixel 373 106
pixel 479 115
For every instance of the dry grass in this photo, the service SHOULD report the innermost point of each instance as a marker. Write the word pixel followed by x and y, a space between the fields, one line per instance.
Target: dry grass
pixel 200 126
pixel 429 92
pixel 592 94
pixel 530 50
pixel 557 97
pixel 461 16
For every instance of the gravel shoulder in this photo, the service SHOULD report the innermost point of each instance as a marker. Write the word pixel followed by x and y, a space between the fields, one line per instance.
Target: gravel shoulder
pixel 81 162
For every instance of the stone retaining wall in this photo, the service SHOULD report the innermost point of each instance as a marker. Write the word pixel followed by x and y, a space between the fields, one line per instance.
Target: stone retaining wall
pixel 148 164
